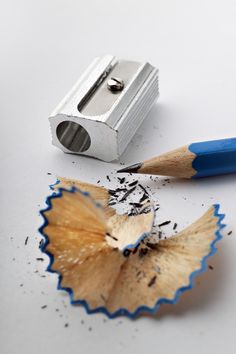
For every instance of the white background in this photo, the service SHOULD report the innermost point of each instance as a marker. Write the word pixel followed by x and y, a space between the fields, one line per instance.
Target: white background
pixel 45 46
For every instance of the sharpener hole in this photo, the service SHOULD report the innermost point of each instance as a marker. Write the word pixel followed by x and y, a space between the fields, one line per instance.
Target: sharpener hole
pixel 73 136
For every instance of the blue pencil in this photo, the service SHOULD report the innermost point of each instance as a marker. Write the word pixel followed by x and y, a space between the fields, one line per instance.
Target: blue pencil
pixel 203 159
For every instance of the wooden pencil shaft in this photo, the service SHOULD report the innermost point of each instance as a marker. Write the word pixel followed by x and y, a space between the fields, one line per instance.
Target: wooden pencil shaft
pixel 177 163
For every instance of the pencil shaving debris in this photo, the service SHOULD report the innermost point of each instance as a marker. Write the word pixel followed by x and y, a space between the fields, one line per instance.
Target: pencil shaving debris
pixel 114 263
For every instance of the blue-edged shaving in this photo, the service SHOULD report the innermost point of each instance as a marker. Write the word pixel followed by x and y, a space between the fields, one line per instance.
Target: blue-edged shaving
pixel 84 247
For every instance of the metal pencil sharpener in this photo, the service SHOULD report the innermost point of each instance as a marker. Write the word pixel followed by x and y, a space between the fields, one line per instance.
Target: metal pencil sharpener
pixel 102 112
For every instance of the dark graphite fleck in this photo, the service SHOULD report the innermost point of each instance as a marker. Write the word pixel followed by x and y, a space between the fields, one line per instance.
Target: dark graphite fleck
pixel 133 183
pixel 113 192
pixel 121 180
pixel 164 223
pixel 127 194
pixel 113 237
pixel 152 281
pixel 145 191
pixel 137 205
pixel 144 197
pixel 133 212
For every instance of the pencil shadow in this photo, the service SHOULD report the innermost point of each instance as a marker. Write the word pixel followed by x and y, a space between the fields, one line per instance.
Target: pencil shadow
pixel 206 292
pixel 206 182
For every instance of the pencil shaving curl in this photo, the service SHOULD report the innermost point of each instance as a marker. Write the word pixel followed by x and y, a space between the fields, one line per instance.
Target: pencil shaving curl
pixel 81 240
pixel 122 231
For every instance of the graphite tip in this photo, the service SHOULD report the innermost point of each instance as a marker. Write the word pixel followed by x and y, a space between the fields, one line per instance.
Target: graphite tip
pixel 131 169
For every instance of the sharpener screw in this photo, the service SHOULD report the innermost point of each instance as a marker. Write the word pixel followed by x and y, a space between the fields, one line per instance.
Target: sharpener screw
pixel 115 84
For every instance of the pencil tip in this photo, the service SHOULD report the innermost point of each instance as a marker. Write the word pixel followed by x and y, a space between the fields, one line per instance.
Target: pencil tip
pixel 131 169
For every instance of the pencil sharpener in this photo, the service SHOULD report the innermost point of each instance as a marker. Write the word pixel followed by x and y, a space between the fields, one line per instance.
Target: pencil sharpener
pixel 101 113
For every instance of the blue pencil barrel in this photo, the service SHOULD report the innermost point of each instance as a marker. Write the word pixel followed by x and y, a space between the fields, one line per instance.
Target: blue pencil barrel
pixel 217 157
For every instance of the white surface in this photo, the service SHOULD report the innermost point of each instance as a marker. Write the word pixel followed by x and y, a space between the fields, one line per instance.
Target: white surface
pixel 45 45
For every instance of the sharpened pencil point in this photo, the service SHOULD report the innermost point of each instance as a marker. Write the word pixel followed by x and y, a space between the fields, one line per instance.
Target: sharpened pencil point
pixel 131 169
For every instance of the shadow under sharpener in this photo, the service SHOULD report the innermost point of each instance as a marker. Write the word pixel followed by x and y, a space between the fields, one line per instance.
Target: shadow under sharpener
pixel 101 113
